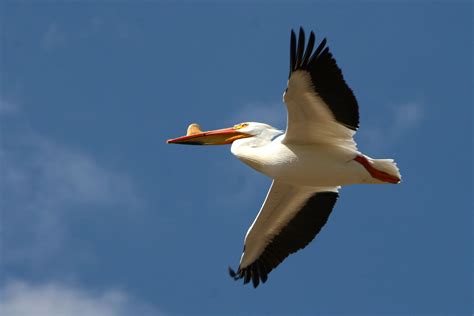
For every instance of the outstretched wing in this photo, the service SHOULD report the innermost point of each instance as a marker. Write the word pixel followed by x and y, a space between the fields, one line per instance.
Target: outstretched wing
pixel 289 219
pixel 321 107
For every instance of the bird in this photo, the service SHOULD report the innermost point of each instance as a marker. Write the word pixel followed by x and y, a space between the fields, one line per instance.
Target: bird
pixel 308 162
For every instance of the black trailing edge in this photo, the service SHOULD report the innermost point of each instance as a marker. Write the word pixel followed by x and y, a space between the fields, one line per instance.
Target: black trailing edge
pixel 326 77
pixel 296 235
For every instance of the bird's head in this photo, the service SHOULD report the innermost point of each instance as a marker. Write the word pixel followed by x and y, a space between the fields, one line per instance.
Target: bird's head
pixel 225 136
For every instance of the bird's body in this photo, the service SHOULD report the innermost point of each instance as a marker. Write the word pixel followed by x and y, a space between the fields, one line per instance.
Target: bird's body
pixel 308 163
pixel 305 165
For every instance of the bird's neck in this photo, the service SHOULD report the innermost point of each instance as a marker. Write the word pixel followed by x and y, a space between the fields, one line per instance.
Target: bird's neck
pixel 251 150
pixel 248 151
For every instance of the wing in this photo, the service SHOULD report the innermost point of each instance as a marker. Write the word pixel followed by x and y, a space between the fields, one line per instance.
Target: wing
pixel 289 220
pixel 321 107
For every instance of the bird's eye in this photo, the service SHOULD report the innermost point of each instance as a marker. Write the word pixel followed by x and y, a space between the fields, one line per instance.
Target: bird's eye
pixel 241 125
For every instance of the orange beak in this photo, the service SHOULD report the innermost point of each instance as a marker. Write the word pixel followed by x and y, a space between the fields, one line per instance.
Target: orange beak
pixel 215 137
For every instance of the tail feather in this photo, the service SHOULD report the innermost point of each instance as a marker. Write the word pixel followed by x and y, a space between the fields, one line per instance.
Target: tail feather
pixel 381 170
pixel 388 166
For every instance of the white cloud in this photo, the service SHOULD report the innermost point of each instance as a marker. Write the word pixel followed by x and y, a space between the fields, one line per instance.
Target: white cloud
pixel 245 188
pixel 407 115
pixel 54 299
pixel 41 183
pixel 7 107
pixel 64 174
pixel 57 35
pixel 401 120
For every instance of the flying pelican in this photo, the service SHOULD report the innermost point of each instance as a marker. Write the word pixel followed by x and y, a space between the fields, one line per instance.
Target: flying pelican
pixel 308 163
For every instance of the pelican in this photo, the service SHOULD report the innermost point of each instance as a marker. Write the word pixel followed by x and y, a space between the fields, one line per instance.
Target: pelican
pixel 308 163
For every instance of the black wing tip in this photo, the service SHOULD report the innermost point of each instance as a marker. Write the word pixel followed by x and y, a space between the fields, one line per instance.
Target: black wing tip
pixel 234 275
pixel 301 32
pixel 247 276
pixel 326 77
pixel 255 276
pixel 301 29
pixel 254 272
pixel 301 52
pixel 281 247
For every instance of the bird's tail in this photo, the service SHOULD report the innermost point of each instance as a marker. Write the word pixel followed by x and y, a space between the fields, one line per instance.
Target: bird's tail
pixel 381 170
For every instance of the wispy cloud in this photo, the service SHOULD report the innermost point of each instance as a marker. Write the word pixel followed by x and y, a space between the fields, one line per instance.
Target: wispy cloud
pixel 42 182
pixel 399 122
pixel 53 37
pixel 244 191
pixel 407 115
pixel 7 107
pixel 54 299
pixel 271 113
pixel 56 35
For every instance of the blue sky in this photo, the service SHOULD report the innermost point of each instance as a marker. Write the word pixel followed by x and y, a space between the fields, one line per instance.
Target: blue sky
pixel 101 217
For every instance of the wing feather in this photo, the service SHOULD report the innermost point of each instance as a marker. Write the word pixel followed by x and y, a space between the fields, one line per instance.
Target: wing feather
pixel 300 51
pixel 309 49
pixel 321 107
pixel 289 220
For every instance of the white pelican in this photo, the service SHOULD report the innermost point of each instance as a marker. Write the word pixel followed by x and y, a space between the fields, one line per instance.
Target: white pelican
pixel 308 163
